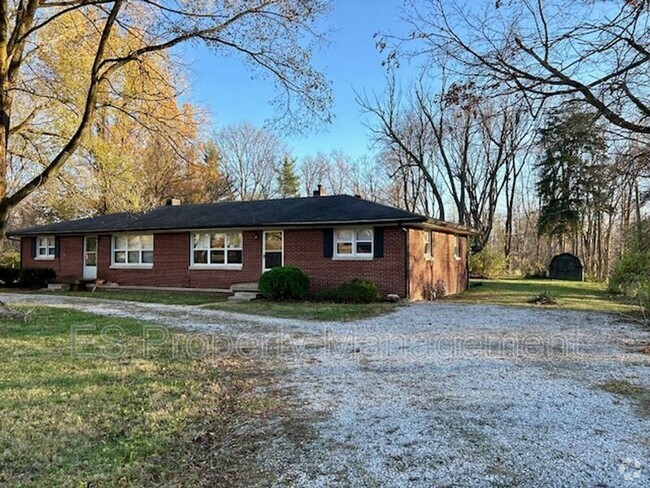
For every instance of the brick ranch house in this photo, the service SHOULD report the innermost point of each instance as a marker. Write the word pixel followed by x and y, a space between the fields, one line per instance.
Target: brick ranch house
pixel 331 238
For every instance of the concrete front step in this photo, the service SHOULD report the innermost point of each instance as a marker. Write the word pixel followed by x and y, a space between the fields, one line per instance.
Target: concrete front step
pixel 243 296
pixel 58 286
pixel 245 287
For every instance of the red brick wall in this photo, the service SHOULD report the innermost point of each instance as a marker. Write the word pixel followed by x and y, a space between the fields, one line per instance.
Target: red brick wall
pixel 302 248
pixel 68 265
pixel 172 260
pixel 424 274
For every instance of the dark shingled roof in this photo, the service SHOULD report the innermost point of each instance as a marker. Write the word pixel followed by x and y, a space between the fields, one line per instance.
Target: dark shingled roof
pixel 287 212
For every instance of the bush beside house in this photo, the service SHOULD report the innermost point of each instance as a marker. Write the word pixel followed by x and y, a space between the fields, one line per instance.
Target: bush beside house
pixel 9 277
pixel 289 283
pixel 354 291
pixel 284 283
pixel 26 277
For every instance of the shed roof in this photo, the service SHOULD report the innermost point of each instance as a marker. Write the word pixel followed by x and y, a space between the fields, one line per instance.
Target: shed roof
pixel 286 212
pixel 566 256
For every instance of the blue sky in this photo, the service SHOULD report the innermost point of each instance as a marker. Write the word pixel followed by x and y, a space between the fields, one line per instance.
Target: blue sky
pixel 223 86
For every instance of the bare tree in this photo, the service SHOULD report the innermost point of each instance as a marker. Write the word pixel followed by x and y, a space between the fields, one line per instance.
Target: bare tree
pixel 337 177
pixel 369 179
pixel 406 188
pixel 270 35
pixel 405 131
pixel 463 145
pixel 251 159
pixel 332 171
pixel 595 51
pixel 313 170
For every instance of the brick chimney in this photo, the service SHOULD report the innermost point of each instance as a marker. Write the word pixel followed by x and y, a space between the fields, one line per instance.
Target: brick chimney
pixel 318 192
pixel 172 202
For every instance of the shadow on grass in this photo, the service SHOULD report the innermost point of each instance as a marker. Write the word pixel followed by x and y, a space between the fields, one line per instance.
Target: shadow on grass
pixel 129 421
pixel 571 295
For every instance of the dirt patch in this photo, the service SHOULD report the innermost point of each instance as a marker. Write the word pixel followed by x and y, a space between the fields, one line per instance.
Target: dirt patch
pixel 639 394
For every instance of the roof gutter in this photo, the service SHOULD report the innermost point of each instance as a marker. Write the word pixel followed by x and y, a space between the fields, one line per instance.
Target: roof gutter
pixel 280 225
pixel 448 228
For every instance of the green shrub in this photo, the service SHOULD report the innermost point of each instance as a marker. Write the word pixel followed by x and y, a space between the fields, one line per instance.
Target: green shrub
pixel 631 277
pixel 644 294
pixel 284 283
pixel 35 277
pixel 630 273
pixel 9 276
pixel 354 291
pixel 489 263
pixel 10 259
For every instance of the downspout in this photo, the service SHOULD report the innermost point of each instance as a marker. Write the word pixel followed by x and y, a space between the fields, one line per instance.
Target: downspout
pixel 431 285
pixel 407 287
pixel 467 251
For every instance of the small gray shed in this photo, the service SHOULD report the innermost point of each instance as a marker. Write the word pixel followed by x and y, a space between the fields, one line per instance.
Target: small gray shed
pixel 566 266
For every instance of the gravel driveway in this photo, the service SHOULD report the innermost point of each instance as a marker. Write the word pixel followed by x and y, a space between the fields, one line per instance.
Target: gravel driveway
pixel 443 394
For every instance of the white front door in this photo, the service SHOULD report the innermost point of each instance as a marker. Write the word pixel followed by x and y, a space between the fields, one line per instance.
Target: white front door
pixel 273 249
pixel 90 258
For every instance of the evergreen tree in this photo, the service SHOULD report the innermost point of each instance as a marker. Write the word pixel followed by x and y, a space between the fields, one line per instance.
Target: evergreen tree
pixel 572 171
pixel 288 181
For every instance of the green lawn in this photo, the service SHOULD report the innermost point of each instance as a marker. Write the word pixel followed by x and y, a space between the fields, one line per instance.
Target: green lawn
pixel 571 295
pixel 151 296
pixel 340 312
pixel 290 310
pixel 112 415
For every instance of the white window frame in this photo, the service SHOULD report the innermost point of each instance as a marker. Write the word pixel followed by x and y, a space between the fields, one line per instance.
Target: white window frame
pixel 457 247
pixel 428 245
pixel 355 256
pixel 225 249
pixel 127 265
pixel 50 248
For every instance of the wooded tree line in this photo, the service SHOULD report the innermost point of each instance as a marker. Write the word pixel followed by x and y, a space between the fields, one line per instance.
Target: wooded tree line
pixel 529 121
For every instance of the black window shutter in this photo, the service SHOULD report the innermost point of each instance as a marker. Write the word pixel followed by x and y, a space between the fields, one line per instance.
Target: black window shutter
pixel 379 242
pixel 33 244
pixel 328 243
pixel 57 246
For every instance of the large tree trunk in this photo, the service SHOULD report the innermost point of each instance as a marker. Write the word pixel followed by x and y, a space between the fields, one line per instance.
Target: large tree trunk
pixel 5 108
